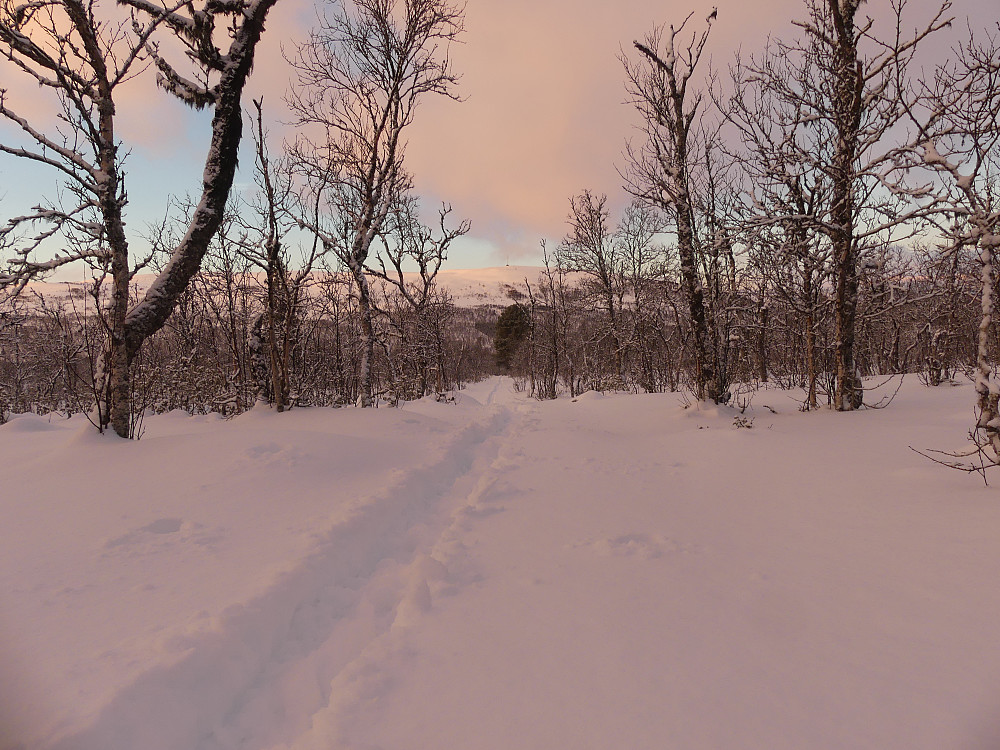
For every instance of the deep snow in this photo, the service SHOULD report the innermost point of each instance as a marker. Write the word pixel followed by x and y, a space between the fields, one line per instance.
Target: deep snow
pixel 611 572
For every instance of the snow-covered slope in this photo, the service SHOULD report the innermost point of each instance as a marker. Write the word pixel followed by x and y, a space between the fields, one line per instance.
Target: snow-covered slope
pixel 610 572
pixel 467 287
pixel 491 286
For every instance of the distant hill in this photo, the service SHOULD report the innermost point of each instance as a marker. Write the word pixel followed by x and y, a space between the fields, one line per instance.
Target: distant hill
pixel 472 287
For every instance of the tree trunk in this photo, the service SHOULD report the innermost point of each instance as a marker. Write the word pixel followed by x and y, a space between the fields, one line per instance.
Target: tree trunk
pixel 986 389
pixel 705 377
pixel 849 394
pixel 365 394
pixel 848 106
pixel 118 407
pixel 762 344
pixel 149 315
pixel 609 302
pixel 811 374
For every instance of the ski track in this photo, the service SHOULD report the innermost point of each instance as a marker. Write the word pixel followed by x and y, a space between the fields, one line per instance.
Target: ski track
pixel 291 667
pixel 444 568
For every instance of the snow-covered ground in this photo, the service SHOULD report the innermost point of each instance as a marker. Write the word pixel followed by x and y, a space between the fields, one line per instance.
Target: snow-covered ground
pixel 499 574
pixel 467 287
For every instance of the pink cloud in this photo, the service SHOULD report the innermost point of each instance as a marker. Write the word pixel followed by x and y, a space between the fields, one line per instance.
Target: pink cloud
pixel 543 117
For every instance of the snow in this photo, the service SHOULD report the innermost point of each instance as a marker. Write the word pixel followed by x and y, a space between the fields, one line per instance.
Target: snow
pixel 489 286
pixel 932 156
pixel 468 288
pixel 614 570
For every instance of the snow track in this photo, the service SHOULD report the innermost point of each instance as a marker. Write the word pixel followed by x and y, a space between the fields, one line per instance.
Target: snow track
pixel 294 660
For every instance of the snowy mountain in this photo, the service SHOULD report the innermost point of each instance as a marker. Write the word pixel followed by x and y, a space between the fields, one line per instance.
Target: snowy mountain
pixel 467 287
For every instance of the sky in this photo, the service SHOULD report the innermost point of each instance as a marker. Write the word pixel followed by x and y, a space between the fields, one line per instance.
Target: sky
pixel 542 117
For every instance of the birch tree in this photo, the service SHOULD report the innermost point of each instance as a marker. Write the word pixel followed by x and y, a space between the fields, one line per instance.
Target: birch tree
pixel 421 309
pixel 857 94
pixel 961 143
pixel 80 56
pixel 660 170
pixel 593 248
pixel 361 75
pixel 287 268
pixel 643 260
pixel 787 196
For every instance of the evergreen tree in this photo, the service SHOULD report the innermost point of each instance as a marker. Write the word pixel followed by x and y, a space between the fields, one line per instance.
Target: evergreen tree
pixel 513 327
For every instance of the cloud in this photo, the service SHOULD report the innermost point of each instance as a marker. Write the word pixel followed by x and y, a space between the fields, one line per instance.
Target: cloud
pixel 543 116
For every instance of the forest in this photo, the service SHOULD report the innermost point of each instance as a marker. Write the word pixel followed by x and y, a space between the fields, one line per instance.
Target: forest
pixel 809 216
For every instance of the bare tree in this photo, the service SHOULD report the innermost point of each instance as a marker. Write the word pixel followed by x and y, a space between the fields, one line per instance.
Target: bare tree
pixel 787 198
pixel 821 118
pixel 961 143
pixel 660 171
pixel 287 269
pixel 950 285
pixel 855 95
pixel 225 286
pixel 415 309
pixel 408 241
pixel 593 248
pixel 81 58
pixel 642 259
pixel 361 75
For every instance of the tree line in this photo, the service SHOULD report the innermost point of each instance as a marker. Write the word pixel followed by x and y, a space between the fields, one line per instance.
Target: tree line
pixel 831 207
pixel 616 319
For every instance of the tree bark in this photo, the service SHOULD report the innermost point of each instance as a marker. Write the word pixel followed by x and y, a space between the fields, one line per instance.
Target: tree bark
pixel 848 87
pixel 366 396
pixel 986 388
